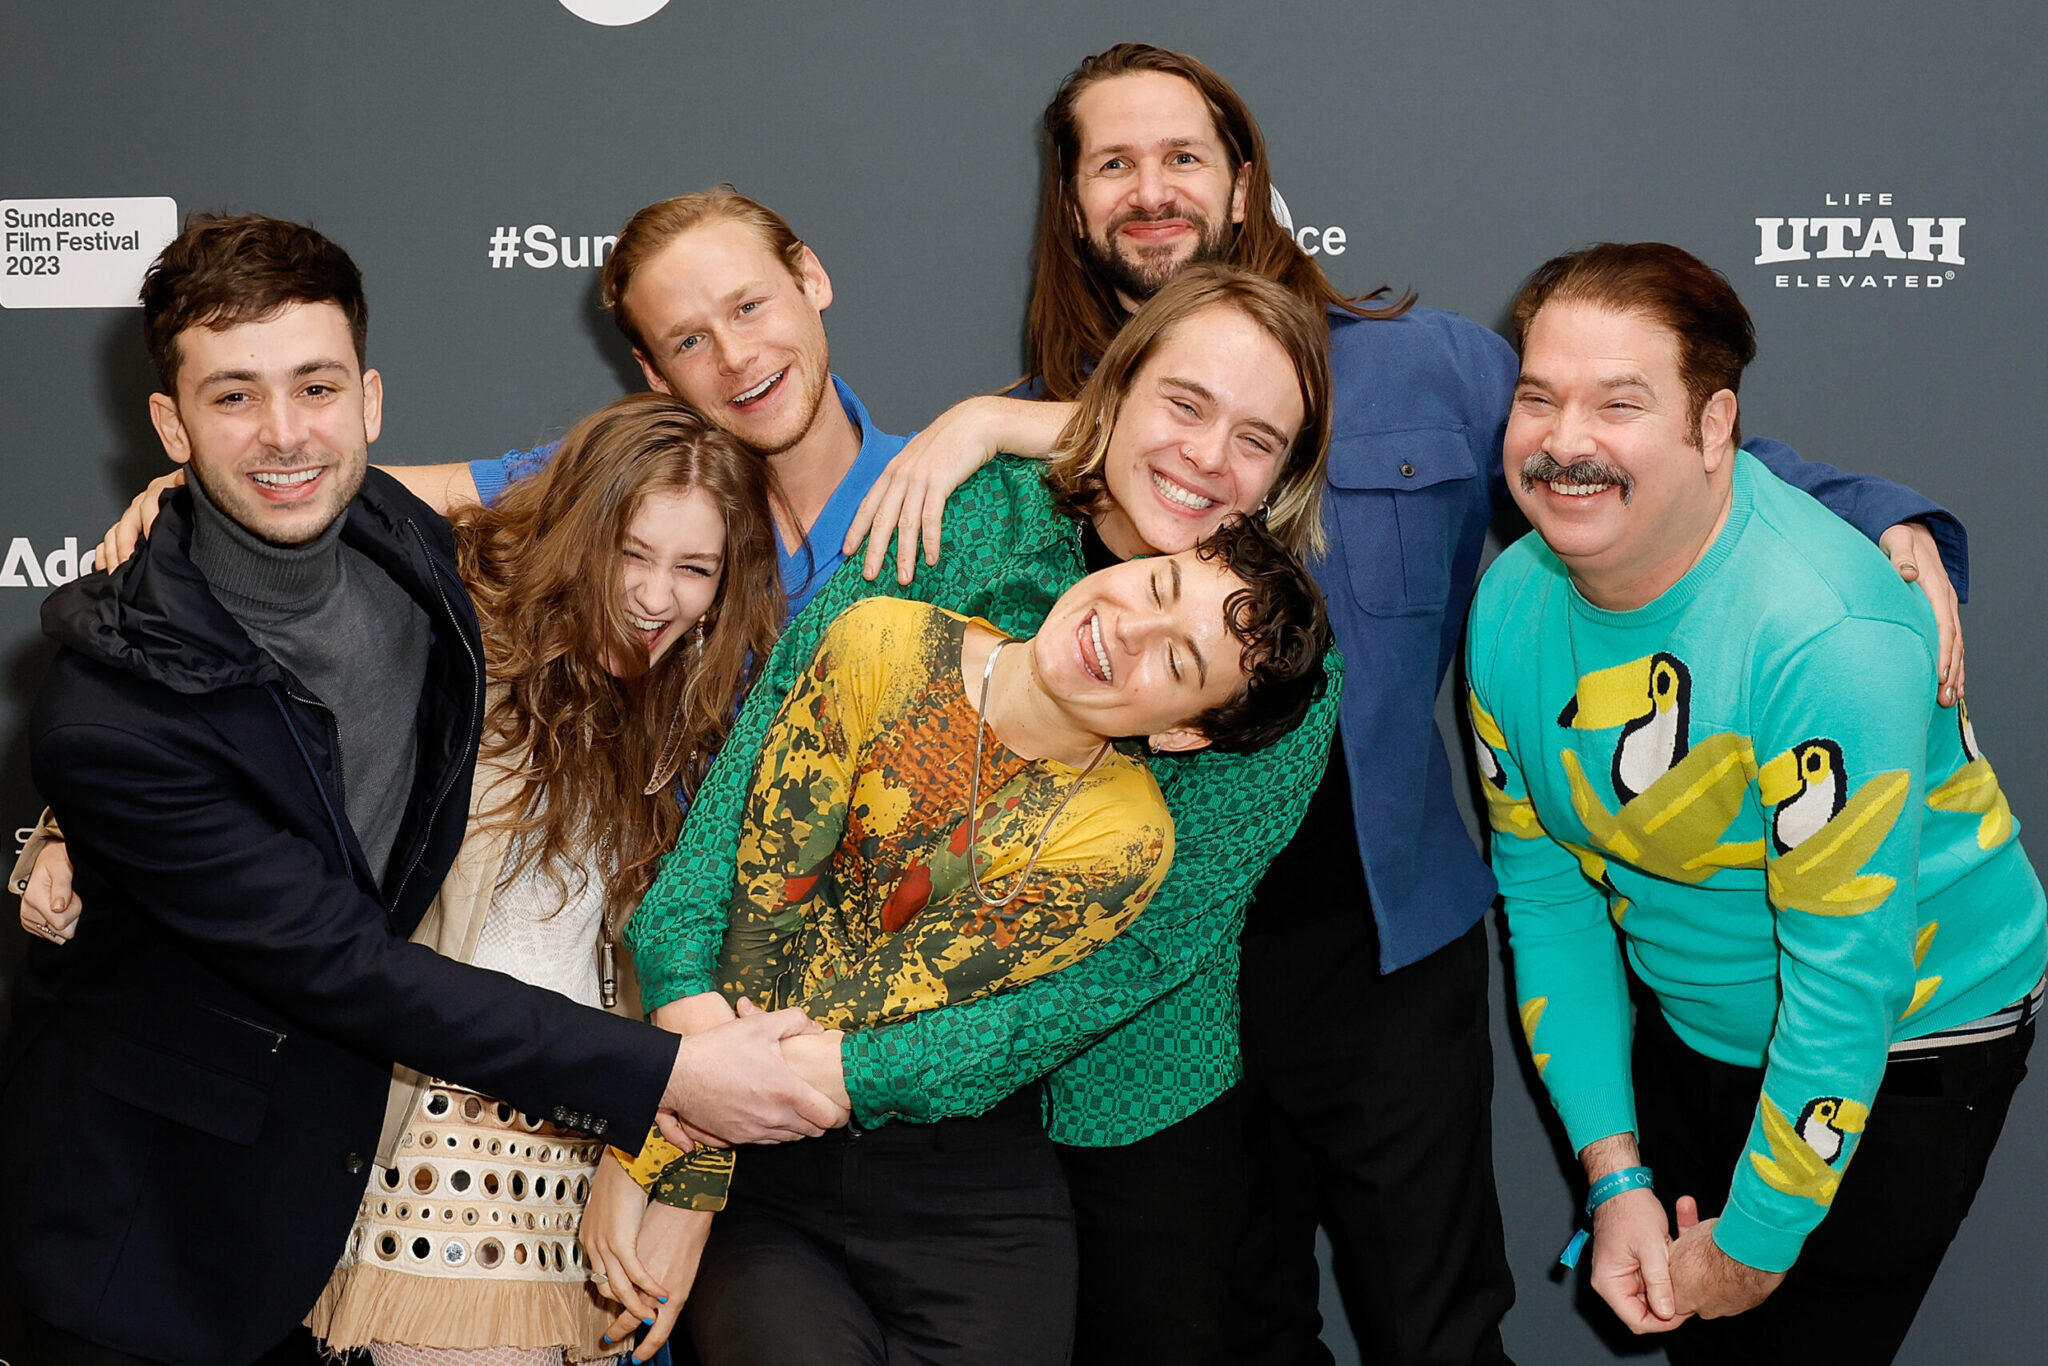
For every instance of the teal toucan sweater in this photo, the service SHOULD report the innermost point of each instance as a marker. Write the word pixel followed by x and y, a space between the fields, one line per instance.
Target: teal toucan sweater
pixel 1749 778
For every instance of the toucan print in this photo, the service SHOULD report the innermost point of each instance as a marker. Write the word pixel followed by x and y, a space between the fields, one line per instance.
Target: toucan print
pixel 1677 798
pixel 1650 699
pixel 1821 836
pixel 1509 815
pixel 1974 789
pixel 1806 1156
pixel 1818 799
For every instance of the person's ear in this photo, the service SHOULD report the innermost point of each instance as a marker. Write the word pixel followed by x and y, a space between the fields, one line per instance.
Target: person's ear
pixel 1717 426
pixel 170 428
pixel 1238 192
pixel 1178 740
pixel 652 375
pixel 817 284
pixel 373 407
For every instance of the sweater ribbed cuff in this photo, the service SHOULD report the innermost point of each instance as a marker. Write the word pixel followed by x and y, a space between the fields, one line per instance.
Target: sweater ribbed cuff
pixel 1755 1241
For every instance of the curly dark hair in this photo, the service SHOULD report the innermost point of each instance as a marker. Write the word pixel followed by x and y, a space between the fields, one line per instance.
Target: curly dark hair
pixel 1279 618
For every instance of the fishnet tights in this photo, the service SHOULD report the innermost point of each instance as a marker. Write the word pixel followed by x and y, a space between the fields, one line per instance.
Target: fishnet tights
pixel 405 1354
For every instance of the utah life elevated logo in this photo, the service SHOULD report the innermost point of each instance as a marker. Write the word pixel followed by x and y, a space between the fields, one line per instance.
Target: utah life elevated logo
pixel 1843 249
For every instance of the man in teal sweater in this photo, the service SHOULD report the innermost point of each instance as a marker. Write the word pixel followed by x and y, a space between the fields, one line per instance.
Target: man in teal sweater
pixel 1702 719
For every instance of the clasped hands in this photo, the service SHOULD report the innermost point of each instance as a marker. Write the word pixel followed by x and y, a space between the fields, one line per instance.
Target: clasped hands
pixel 745 1076
pixel 1654 1282
pixel 749 1076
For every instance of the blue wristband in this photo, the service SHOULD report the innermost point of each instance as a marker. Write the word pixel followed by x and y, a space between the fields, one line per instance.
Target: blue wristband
pixel 1616 1183
pixel 1605 1189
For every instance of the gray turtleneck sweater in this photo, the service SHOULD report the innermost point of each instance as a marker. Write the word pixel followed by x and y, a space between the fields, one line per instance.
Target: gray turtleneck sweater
pixel 350 634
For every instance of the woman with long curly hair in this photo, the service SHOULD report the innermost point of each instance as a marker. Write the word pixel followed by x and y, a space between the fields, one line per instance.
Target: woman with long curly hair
pixel 627 594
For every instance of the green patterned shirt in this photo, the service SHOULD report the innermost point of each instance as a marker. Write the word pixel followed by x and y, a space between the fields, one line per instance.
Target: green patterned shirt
pixel 1135 1037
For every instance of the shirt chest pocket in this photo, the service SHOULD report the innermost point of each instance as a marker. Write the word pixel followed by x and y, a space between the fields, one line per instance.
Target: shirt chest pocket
pixel 1398 500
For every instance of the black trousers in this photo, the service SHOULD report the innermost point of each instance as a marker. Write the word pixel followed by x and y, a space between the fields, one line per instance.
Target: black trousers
pixel 1158 1221
pixel 948 1243
pixel 1861 1276
pixel 1368 1110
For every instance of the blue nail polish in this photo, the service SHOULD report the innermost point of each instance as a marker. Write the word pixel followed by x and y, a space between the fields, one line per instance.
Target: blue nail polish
pixel 662 1298
pixel 606 1339
pixel 648 1322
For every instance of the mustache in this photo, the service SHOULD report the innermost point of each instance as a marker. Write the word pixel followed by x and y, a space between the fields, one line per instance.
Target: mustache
pixel 1194 218
pixel 1540 468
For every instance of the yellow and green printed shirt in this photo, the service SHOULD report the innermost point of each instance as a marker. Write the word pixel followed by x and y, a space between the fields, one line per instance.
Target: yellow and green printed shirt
pixel 1135 1037
pixel 1805 857
pixel 854 899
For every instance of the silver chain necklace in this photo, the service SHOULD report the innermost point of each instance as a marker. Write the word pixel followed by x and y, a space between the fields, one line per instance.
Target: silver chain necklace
pixel 974 799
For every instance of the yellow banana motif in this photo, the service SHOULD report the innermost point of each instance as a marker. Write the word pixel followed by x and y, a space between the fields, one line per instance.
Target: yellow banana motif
pixel 1820 875
pixel 1532 1012
pixel 1974 789
pixel 1673 829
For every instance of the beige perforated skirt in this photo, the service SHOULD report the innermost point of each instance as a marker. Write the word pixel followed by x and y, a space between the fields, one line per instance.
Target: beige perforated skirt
pixel 470 1240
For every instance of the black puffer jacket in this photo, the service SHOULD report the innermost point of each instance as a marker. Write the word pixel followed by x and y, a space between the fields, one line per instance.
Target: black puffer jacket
pixel 193 1086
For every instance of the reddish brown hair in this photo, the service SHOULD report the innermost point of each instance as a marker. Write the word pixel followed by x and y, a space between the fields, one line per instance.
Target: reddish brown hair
pixel 1072 314
pixel 596 753
pixel 1294 504
pixel 657 225
pixel 1673 289
pixel 223 270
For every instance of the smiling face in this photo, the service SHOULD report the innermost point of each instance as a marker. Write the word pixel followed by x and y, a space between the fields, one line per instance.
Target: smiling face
pixel 274 418
pixel 731 332
pixel 1153 187
pixel 670 566
pixel 1142 648
pixel 1201 433
pixel 1601 454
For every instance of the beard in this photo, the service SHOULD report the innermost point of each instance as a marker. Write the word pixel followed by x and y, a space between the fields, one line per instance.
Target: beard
pixel 1141 272
pixel 1540 468
pixel 816 380
pixel 248 510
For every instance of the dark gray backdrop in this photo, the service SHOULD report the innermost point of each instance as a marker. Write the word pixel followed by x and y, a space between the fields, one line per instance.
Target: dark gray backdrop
pixel 1455 144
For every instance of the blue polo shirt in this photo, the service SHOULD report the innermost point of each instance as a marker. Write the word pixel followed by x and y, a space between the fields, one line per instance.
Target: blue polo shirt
pixel 804 569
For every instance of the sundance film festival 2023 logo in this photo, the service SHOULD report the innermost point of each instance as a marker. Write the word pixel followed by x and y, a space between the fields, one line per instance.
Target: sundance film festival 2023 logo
pixel 1855 241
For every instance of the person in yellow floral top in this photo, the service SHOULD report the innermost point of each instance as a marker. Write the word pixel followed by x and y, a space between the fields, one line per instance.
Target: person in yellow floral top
pixel 938 817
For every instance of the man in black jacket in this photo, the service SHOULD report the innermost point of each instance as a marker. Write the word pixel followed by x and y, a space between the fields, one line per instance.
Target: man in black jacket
pixel 258 741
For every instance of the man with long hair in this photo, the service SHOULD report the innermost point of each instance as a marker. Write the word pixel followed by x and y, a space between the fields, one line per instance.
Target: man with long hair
pixel 1367 1053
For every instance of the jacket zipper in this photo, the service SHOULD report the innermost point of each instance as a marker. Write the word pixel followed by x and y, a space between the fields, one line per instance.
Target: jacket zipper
pixel 334 729
pixel 476 673
pixel 277 1037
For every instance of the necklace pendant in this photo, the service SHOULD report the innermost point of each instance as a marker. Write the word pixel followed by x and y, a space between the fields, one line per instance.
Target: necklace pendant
pixel 607 973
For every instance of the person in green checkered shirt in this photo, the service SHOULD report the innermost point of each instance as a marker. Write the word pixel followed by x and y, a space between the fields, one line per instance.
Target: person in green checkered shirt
pixel 1213 401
